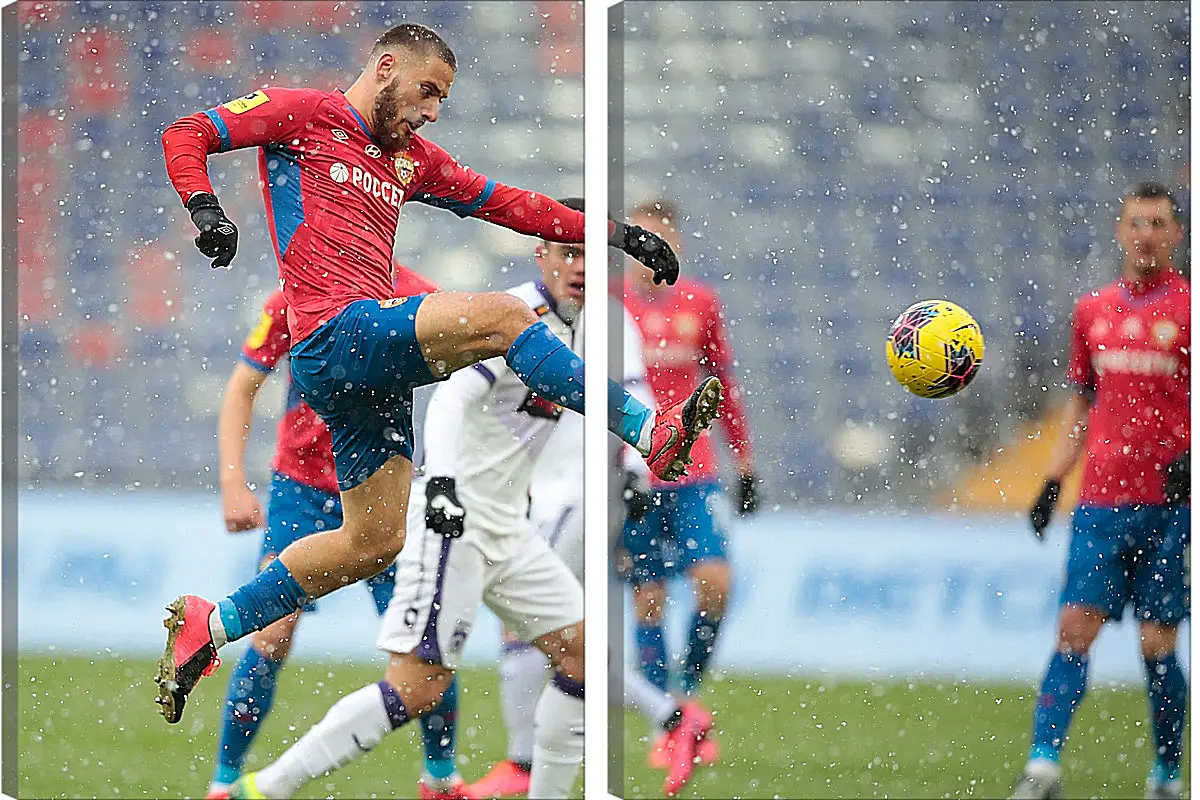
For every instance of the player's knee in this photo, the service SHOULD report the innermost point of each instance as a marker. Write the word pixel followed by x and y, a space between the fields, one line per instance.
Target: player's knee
pixel 1158 641
pixel 564 649
pixel 712 581
pixel 648 600
pixel 1078 627
pixel 419 683
pixel 509 317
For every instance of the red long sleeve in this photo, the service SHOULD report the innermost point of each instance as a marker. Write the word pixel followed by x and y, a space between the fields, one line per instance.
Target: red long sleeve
pixel 720 364
pixel 187 143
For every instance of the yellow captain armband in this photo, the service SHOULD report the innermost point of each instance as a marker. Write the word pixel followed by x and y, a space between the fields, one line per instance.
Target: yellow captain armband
pixel 244 104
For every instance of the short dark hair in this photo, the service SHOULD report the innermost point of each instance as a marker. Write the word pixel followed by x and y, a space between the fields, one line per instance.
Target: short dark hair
pixel 1152 190
pixel 412 36
pixel 661 209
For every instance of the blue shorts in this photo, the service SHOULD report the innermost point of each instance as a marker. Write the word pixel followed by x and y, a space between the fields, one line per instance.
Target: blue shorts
pixel 296 510
pixel 1131 554
pixel 683 527
pixel 358 372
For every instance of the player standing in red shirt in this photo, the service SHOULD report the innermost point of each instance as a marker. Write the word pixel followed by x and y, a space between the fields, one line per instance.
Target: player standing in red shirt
pixel 683 330
pixel 1130 364
pixel 336 168
pixel 303 500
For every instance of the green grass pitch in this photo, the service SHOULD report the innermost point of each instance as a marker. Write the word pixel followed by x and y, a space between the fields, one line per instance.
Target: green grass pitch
pixel 89 728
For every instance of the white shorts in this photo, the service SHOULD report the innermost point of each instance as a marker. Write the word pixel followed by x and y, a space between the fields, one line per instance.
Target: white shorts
pixel 441 583
pixel 562 528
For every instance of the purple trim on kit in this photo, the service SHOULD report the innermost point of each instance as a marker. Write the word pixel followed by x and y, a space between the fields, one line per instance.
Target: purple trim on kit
pixel 428 649
pixel 567 686
pixel 485 372
pixel 514 646
pixel 397 713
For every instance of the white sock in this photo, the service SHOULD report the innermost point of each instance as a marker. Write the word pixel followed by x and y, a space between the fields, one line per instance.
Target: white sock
pixel 647 699
pixel 351 727
pixel 644 438
pixel 216 628
pixel 523 674
pixel 558 744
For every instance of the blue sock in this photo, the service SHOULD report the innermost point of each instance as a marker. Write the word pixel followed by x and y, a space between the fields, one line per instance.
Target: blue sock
pixel 652 653
pixel 701 642
pixel 554 371
pixel 1061 693
pixel 381 587
pixel 1167 690
pixel 269 596
pixel 438 729
pixel 248 700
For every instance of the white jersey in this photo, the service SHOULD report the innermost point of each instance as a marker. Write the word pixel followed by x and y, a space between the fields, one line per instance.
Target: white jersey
pixel 557 490
pixel 499 433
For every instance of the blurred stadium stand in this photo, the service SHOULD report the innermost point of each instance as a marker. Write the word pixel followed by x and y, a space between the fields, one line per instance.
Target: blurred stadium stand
pixel 839 161
pixel 126 335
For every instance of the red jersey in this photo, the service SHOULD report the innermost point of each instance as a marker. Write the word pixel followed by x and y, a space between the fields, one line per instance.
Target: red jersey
pixel 303 446
pixel 683 333
pixel 333 194
pixel 1131 347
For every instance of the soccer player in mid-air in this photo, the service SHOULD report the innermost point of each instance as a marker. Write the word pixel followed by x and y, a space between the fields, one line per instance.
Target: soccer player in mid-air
pixel 336 168
pixel 684 331
pixel 303 500
pixel 471 542
pixel 1130 366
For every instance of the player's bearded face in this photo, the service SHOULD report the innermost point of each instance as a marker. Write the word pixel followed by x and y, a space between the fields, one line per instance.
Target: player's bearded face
pixel 409 100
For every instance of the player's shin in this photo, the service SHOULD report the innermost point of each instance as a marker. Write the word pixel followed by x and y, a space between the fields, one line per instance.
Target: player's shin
pixel 558 743
pixel 1167 690
pixel 1061 693
pixel 554 371
pixel 702 639
pixel 353 726
pixel 248 701
pixel 439 733
pixel 269 596
pixel 522 677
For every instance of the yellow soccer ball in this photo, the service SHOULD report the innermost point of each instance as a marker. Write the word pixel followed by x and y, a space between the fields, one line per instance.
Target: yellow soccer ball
pixel 935 348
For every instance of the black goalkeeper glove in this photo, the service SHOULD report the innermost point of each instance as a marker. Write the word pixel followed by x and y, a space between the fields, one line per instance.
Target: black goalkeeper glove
pixel 1043 509
pixel 648 248
pixel 1177 484
pixel 443 513
pixel 748 496
pixel 636 495
pixel 218 236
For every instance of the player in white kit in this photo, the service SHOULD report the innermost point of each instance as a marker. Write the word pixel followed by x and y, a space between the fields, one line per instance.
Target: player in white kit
pixel 470 542
pixel 556 511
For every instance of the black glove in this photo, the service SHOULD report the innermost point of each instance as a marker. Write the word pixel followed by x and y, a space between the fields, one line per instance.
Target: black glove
pixel 1177 483
pixel 1043 509
pixel 443 513
pixel 648 248
pixel 748 496
pixel 636 495
pixel 218 236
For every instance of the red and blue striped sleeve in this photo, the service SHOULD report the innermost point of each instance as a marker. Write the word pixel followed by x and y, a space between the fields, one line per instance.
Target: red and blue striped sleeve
pixel 263 117
pixel 447 184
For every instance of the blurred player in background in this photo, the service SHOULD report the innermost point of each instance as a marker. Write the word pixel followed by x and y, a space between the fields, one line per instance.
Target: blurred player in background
pixel 1130 364
pixel 471 543
pixel 684 334
pixel 336 169
pixel 303 500
pixel 556 513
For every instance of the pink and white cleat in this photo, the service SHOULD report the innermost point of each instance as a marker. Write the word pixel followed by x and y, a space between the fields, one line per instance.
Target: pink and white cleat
pixel 678 426
pixel 681 747
pixel 189 656
pixel 505 779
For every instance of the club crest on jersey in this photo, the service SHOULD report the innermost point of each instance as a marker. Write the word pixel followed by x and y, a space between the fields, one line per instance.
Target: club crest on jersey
pixel 1165 332
pixel 542 310
pixel 537 406
pixel 406 168
pixel 244 104
pixel 391 302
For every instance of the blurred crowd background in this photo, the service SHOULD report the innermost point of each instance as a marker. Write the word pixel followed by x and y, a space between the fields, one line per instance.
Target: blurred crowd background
pixel 841 161
pixel 836 162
